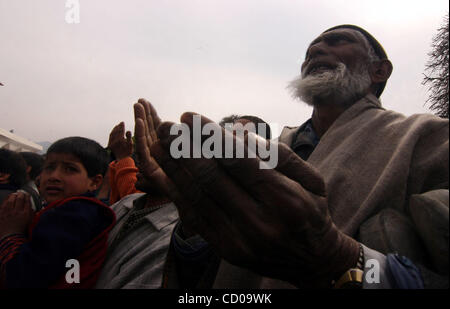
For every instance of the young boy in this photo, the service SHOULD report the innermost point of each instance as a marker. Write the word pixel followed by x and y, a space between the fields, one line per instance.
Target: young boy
pixel 38 251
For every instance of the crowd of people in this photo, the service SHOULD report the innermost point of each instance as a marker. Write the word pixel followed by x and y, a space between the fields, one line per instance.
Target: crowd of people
pixel 358 199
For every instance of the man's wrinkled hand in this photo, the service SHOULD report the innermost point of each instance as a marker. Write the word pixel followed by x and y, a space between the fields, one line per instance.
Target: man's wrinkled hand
pixel 273 221
pixel 146 123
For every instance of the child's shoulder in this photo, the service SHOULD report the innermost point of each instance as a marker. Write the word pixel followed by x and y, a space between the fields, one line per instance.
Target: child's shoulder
pixel 83 200
pixel 78 206
pixel 79 200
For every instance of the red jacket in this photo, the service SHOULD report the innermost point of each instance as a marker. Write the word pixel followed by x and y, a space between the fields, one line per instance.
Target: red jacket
pixel 28 260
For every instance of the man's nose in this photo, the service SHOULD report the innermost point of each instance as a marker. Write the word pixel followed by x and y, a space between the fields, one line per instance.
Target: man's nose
pixel 318 49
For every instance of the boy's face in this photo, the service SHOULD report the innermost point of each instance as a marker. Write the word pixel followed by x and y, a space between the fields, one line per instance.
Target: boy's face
pixel 63 176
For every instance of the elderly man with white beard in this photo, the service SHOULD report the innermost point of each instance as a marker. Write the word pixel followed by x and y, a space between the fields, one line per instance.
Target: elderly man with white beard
pixel 359 198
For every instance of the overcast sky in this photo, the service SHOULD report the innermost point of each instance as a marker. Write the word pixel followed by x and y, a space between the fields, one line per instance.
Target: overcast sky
pixel 214 57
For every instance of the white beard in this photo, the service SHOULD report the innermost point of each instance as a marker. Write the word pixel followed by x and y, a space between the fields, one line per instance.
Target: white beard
pixel 339 85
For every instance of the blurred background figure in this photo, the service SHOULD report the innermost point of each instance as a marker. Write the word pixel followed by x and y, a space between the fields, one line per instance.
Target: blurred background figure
pixel 35 162
pixel 13 173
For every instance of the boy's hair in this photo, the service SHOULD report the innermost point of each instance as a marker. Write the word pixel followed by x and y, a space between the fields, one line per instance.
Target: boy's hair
pixel 233 118
pixel 13 164
pixel 35 161
pixel 256 121
pixel 93 156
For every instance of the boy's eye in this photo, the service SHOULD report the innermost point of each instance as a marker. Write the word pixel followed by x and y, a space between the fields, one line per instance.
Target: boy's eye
pixel 71 169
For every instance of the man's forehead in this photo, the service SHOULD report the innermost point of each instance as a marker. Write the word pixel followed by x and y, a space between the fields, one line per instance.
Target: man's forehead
pixel 340 31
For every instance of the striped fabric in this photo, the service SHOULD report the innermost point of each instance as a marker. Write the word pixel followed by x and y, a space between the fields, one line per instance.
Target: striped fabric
pixel 9 246
pixel 138 244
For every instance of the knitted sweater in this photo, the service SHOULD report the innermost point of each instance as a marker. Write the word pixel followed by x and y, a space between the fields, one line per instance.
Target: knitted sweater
pixel 122 178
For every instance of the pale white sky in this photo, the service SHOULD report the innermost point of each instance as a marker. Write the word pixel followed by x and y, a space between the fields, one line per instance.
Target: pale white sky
pixel 214 57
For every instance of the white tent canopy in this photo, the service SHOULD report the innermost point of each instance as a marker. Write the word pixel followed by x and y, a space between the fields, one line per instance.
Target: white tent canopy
pixel 17 143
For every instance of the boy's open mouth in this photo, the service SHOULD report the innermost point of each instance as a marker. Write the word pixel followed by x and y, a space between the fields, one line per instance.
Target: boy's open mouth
pixel 53 190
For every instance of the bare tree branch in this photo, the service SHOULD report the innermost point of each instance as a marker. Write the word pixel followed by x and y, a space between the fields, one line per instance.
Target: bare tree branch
pixel 437 78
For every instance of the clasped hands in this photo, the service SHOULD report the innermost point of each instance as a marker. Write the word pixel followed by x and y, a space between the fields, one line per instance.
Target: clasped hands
pixel 272 221
pixel 15 214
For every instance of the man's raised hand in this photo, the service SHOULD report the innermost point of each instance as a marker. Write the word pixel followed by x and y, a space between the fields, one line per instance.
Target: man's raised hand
pixel 120 143
pixel 146 124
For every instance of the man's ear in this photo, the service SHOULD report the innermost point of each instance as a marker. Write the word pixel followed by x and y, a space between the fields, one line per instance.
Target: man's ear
pixel 96 182
pixel 380 71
